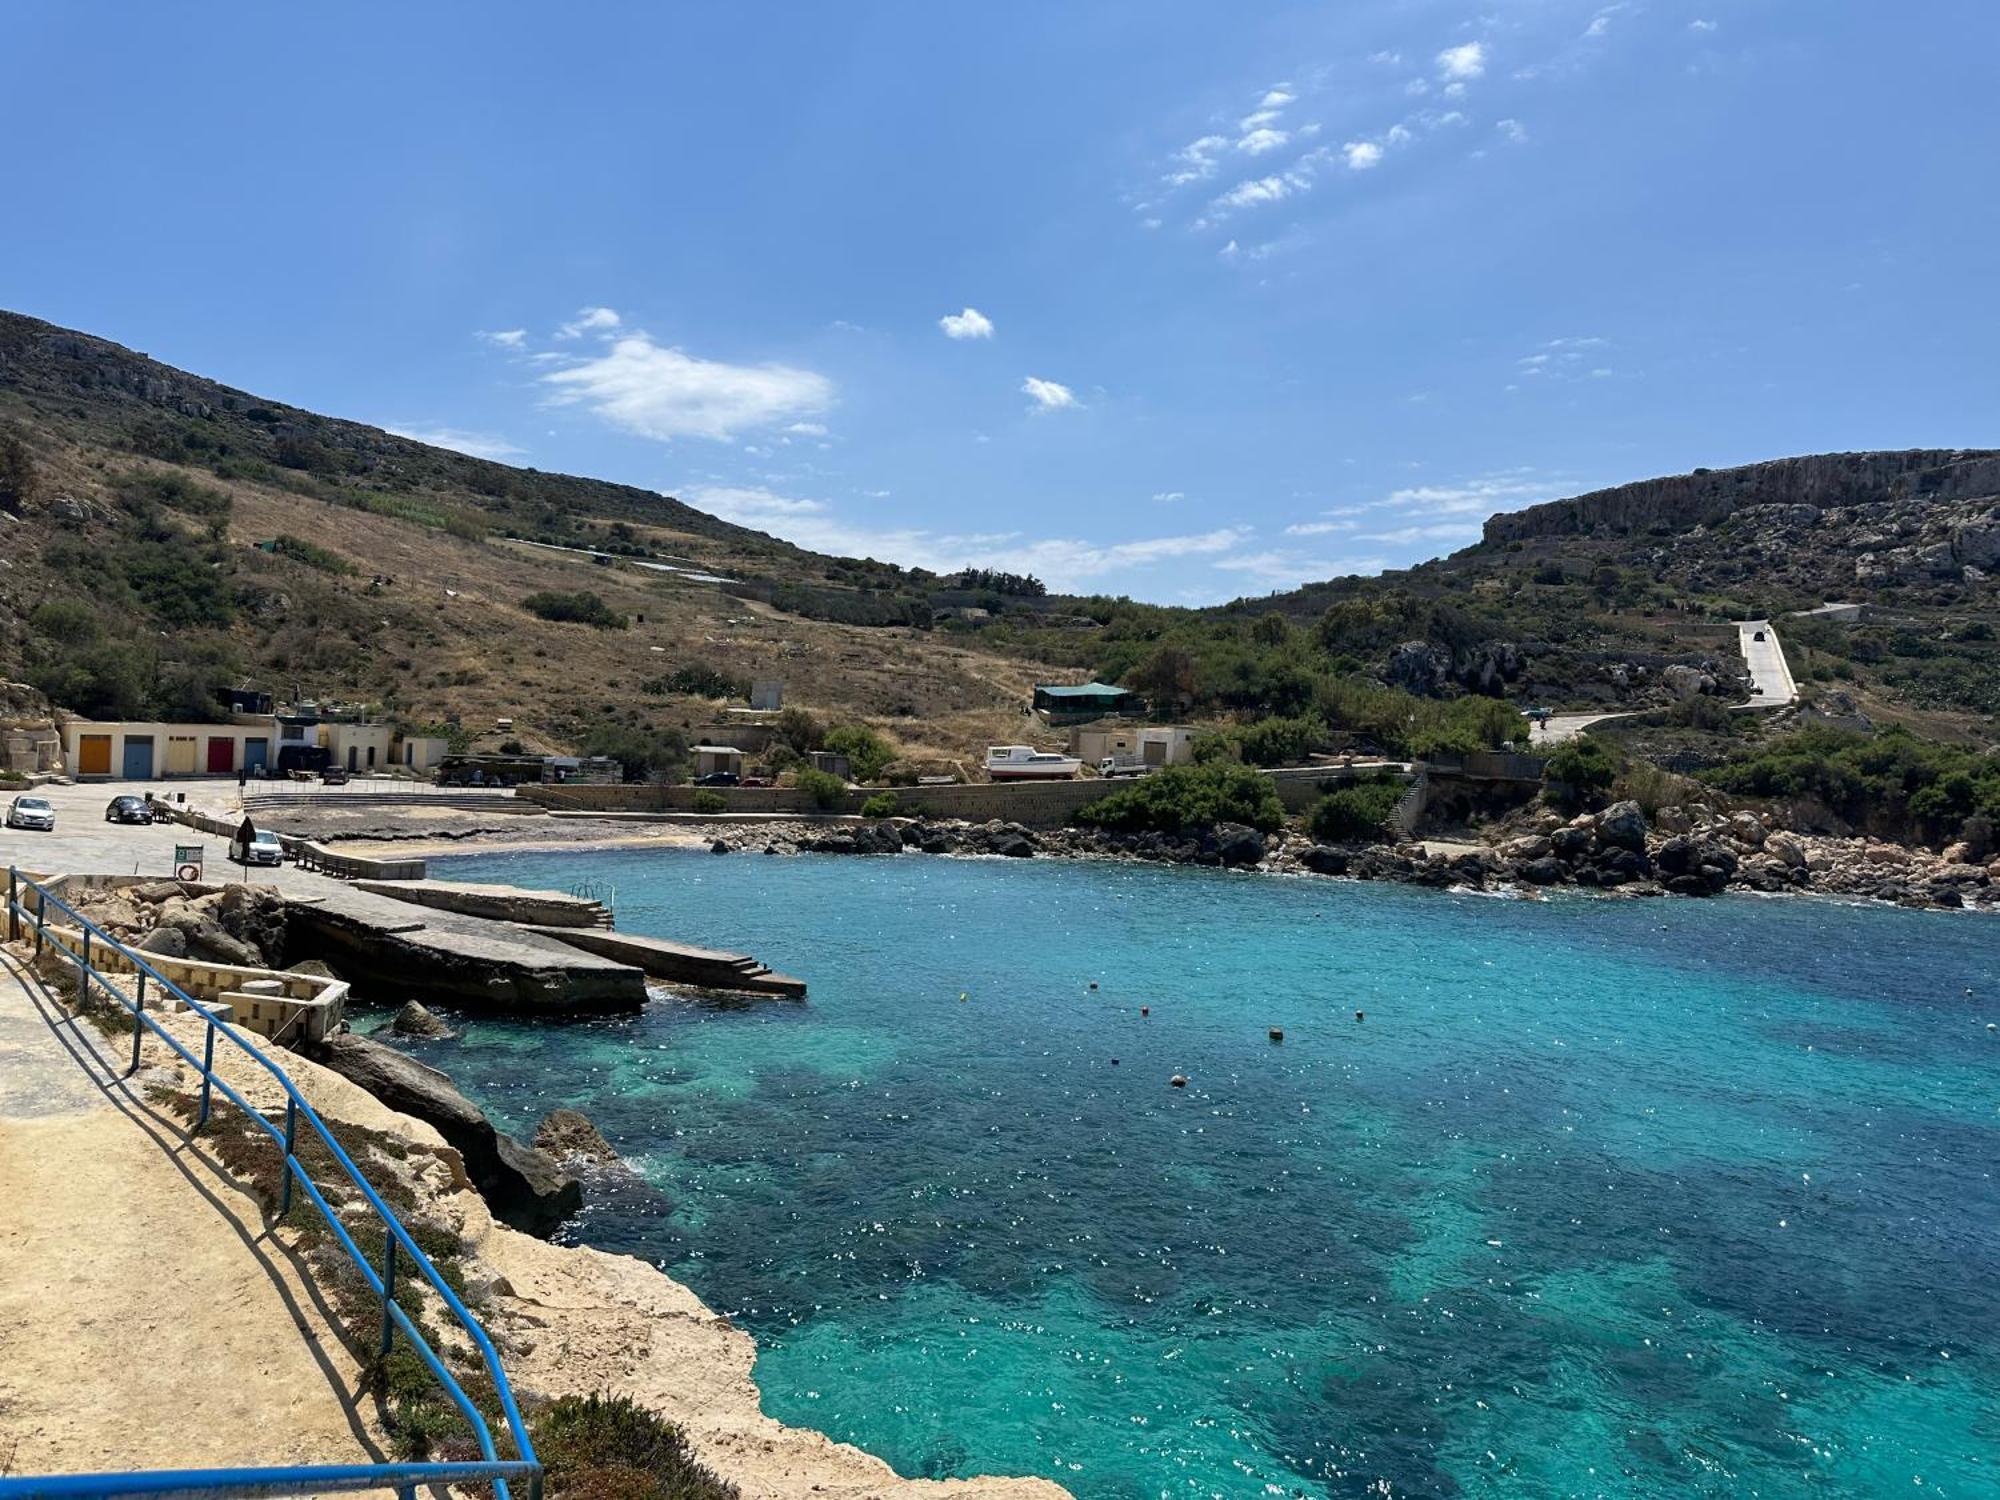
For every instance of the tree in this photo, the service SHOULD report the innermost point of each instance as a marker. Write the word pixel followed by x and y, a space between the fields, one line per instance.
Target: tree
pixel 866 751
pixel 1580 770
pixel 18 478
pixel 1168 677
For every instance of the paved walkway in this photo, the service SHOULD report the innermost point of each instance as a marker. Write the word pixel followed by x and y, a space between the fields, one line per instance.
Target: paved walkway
pixel 1771 685
pixel 146 1321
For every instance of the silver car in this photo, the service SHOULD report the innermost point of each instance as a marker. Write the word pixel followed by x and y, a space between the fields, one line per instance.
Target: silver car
pixel 32 812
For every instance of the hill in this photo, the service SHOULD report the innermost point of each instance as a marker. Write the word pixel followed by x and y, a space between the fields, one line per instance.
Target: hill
pixel 168 535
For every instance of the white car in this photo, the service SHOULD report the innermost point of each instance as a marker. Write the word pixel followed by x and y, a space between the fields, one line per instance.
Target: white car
pixel 32 812
pixel 264 849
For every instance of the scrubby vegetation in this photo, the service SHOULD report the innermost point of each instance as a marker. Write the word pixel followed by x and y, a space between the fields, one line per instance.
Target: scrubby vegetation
pixel 604 1447
pixel 1579 771
pixel 827 791
pixel 699 680
pixel 1185 797
pixel 868 754
pixel 580 608
pixel 1356 812
pixel 298 549
pixel 648 754
pixel 881 805
pixel 709 802
pixel 1891 783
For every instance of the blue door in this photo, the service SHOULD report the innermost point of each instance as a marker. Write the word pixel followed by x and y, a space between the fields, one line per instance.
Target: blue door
pixel 256 755
pixel 138 757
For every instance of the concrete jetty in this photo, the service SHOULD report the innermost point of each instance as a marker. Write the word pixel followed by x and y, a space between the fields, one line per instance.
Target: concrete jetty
pixel 386 944
pixel 498 903
pixel 681 963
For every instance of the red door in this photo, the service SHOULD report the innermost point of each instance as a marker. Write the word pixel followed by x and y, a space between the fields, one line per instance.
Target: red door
pixel 221 755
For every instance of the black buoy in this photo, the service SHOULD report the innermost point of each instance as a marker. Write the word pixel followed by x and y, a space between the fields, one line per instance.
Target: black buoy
pixel 1145 1010
pixel 1179 1080
pixel 1093 984
pixel 1277 1033
pixel 1358 1015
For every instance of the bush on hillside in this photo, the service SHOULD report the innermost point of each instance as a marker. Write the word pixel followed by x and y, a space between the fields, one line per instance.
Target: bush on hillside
pixel 1356 812
pixel 706 801
pixel 866 751
pixel 1279 741
pixel 699 680
pixel 19 479
pixel 657 755
pixel 800 731
pixel 298 549
pixel 826 790
pixel 580 608
pixel 881 805
pixel 1183 797
pixel 1892 783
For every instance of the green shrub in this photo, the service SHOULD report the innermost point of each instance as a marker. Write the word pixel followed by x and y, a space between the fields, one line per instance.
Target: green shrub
pixel 706 801
pixel 881 805
pixel 801 731
pixel 646 754
pixel 68 622
pixel 1183 797
pixel 1279 741
pixel 18 478
pixel 866 751
pixel 699 680
pixel 1356 812
pixel 581 608
pixel 826 790
pixel 1892 783
pixel 1579 771
pixel 298 549
pixel 602 1447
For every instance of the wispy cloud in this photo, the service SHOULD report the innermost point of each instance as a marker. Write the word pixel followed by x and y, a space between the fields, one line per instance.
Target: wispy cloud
pixel 1063 563
pixel 1512 130
pixel 665 393
pixel 1699 25
pixel 1320 528
pixel 1283 568
pixel 1565 359
pixel 1048 395
pixel 589 320
pixel 473 444
pixel 970 324
pixel 1361 155
pixel 505 338
pixel 1168 497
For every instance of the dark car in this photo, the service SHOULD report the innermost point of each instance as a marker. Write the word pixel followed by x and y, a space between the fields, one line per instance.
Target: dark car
pixel 128 810
pixel 719 778
pixel 334 776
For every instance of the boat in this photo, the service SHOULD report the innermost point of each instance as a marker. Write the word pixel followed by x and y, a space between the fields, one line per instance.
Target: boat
pixel 1026 763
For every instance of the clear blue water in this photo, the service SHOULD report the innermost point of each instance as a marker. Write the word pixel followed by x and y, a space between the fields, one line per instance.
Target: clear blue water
pixel 1602 1198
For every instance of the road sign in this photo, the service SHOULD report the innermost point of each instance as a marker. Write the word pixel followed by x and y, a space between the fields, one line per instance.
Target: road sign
pixel 187 861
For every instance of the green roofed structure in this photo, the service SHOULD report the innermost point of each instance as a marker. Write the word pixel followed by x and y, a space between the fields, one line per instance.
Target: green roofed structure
pixel 1085 701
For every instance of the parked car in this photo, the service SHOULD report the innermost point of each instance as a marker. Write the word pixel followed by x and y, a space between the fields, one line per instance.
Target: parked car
pixel 264 849
pixel 128 810
pixel 719 778
pixel 334 776
pixel 29 811
pixel 1758 636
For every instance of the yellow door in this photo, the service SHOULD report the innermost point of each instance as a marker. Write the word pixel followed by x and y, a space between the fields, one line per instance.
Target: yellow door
pixel 180 755
pixel 93 755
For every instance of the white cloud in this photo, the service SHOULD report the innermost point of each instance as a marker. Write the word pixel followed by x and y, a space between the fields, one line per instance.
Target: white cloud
pixel 1468 60
pixel 1277 98
pixel 1063 563
pixel 506 338
pixel 807 429
pixel 1048 395
pixel 970 324
pixel 1565 359
pixel 1168 497
pixel 1385 59
pixel 664 393
pixel 474 444
pixel 1319 528
pixel 1436 531
pixel 589 320
pixel 1514 130
pixel 1257 142
pixel 1254 191
pixel 1699 25
pixel 1361 155
pixel 1599 24
pixel 1196 161
pixel 1281 568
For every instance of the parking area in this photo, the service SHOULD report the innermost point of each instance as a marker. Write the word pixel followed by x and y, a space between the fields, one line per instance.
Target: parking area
pixel 84 841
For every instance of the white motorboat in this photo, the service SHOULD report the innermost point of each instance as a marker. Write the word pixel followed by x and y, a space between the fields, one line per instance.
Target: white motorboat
pixel 1026 763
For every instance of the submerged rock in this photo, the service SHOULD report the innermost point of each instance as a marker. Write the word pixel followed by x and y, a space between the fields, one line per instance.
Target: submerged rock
pixel 569 1136
pixel 523 1186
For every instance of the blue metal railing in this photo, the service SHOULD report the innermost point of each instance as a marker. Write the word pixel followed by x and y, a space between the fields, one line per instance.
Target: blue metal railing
pixel 405 1478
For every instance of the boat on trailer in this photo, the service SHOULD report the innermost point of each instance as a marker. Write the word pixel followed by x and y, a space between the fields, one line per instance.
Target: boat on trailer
pixel 1026 763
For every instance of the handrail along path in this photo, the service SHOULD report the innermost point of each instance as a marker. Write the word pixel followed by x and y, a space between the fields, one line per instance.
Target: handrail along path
pixel 397 1246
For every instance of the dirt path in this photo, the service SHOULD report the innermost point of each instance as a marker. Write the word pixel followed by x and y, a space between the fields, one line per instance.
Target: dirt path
pixel 145 1319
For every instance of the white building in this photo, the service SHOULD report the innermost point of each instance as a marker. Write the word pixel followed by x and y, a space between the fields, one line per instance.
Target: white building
pixel 143 751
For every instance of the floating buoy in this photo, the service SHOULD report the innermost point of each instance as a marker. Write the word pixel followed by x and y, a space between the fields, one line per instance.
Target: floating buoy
pixel 1114 1062
pixel 962 997
pixel 1093 984
pixel 1358 1015
pixel 1179 1080
pixel 1145 1010
pixel 1277 1033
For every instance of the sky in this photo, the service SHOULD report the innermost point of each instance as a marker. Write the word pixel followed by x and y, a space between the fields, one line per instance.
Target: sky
pixel 1183 301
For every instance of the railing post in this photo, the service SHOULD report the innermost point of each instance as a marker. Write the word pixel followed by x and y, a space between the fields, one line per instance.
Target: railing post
pixel 139 1022
pixel 388 1288
pixel 291 1135
pixel 13 912
pixel 41 918
pixel 207 1074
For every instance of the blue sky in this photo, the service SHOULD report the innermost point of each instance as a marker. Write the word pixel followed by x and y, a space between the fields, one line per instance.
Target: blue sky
pixel 1180 300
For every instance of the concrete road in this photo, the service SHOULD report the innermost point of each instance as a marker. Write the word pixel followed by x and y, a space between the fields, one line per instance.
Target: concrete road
pixel 84 841
pixel 1771 684
pixel 1560 727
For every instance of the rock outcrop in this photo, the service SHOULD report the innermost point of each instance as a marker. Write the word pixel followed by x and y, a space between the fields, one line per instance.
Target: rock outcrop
pixel 523 1186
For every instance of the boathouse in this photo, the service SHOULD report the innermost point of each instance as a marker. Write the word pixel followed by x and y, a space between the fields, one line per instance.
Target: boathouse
pixel 1083 702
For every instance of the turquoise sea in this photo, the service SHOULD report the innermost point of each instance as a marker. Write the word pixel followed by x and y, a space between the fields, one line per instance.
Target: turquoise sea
pixel 1623 1198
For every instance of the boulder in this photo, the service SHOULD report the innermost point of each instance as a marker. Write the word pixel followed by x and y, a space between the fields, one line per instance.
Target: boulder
pixel 1786 848
pixel 1747 829
pixel 1570 843
pixel 1684 682
pixel 1545 871
pixel 1622 826
pixel 1673 820
pixel 567 1135
pixel 523 1186
pixel 1419 667
pixel 1528 846
pixel 1239 846
pixel 168 942
pixel 1324 861
pixel 317 968
pixel 415 1020
pixel 255 917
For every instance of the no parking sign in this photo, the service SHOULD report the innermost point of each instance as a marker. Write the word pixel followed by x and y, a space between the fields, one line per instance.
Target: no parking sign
pixel 187 861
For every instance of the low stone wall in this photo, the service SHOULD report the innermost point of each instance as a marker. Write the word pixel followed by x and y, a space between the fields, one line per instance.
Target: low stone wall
pixel 310 856
pixel 1037 803
pixel 497 903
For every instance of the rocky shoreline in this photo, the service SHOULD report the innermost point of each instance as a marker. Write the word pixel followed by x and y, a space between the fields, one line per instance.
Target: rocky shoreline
pixel 1682 851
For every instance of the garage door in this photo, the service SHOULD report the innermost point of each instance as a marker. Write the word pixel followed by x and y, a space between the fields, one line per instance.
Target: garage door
pixel 221 754
pixel 180 754
pixel 256 753
pixel 93 755
pixel 138 757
